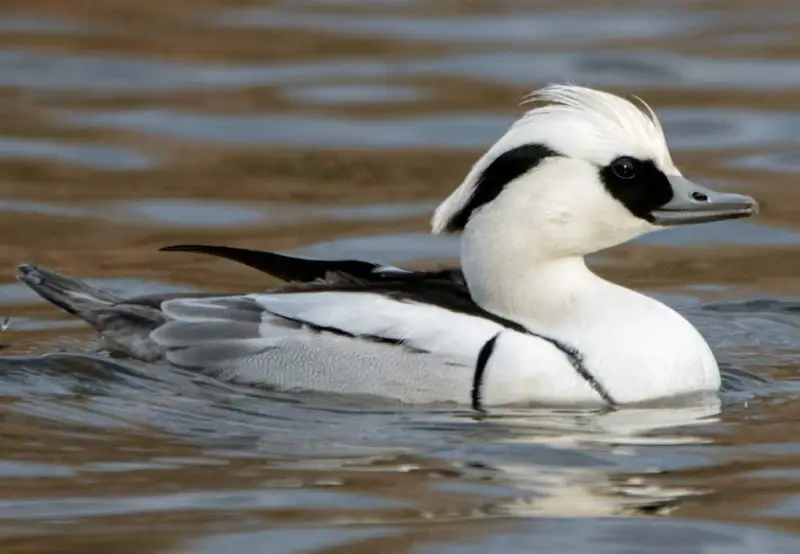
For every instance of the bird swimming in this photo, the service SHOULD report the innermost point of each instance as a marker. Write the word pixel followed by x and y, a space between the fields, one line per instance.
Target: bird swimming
pixel 522 319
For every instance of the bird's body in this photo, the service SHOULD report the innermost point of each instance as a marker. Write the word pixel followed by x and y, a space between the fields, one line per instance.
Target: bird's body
pixel 523 318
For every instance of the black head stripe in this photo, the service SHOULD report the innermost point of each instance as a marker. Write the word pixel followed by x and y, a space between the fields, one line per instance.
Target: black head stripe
pixel 504 169
pixel 638 184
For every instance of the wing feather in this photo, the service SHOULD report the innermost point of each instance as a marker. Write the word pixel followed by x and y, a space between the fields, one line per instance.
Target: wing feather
pixel 240 326
pixel 291 268
pixel 424 327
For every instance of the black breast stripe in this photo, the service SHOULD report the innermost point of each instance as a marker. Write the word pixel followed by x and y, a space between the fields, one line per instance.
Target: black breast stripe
pixel 573 355
pixel 480 370
pixel 576 361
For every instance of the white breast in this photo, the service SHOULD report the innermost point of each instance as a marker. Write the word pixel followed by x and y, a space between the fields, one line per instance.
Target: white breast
pixel 523 368
pixel 638 348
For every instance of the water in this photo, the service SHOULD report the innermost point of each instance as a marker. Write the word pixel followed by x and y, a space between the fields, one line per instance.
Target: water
pixel 101 157
pixel 332 128
pixel 523 27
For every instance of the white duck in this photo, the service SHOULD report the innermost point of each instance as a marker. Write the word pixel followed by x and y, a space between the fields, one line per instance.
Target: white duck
pixel 523 320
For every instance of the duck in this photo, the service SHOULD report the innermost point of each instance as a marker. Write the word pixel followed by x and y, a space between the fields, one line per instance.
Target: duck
pixel 521 319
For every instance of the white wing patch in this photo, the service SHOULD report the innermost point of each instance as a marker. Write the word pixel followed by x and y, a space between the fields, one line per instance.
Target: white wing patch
pixel 424 327
pixel 205 332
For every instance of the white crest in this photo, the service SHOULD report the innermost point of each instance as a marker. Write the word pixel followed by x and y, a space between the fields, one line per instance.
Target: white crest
pixel 577 122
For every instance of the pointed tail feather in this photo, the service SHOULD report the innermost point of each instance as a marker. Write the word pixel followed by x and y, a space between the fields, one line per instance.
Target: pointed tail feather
pixel 72 295
pixel 124 327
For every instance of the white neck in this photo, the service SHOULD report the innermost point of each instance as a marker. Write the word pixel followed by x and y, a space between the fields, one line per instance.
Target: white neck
pixel 530 286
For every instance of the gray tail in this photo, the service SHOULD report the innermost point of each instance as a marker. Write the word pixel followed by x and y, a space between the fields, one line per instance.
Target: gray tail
pixel 72 295
pixel 125 327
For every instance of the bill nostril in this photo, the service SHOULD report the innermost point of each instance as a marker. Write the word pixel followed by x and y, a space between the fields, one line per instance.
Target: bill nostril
pixel 699 197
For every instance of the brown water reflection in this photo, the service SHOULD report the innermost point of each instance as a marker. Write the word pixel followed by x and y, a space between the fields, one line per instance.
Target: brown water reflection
pixel 332 128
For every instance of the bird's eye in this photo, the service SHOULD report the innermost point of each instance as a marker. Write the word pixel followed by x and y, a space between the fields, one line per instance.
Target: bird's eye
pixel 624 168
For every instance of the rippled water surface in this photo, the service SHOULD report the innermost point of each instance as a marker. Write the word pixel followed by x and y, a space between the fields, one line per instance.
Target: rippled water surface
pixel 331 128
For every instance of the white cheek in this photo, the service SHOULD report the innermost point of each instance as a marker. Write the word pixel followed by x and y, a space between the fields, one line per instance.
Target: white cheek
pixel 618 217
pixel 563 207
pixel 588 215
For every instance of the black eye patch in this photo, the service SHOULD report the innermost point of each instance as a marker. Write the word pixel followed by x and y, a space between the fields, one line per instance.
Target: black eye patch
pixel 638 184
pixel 504 169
